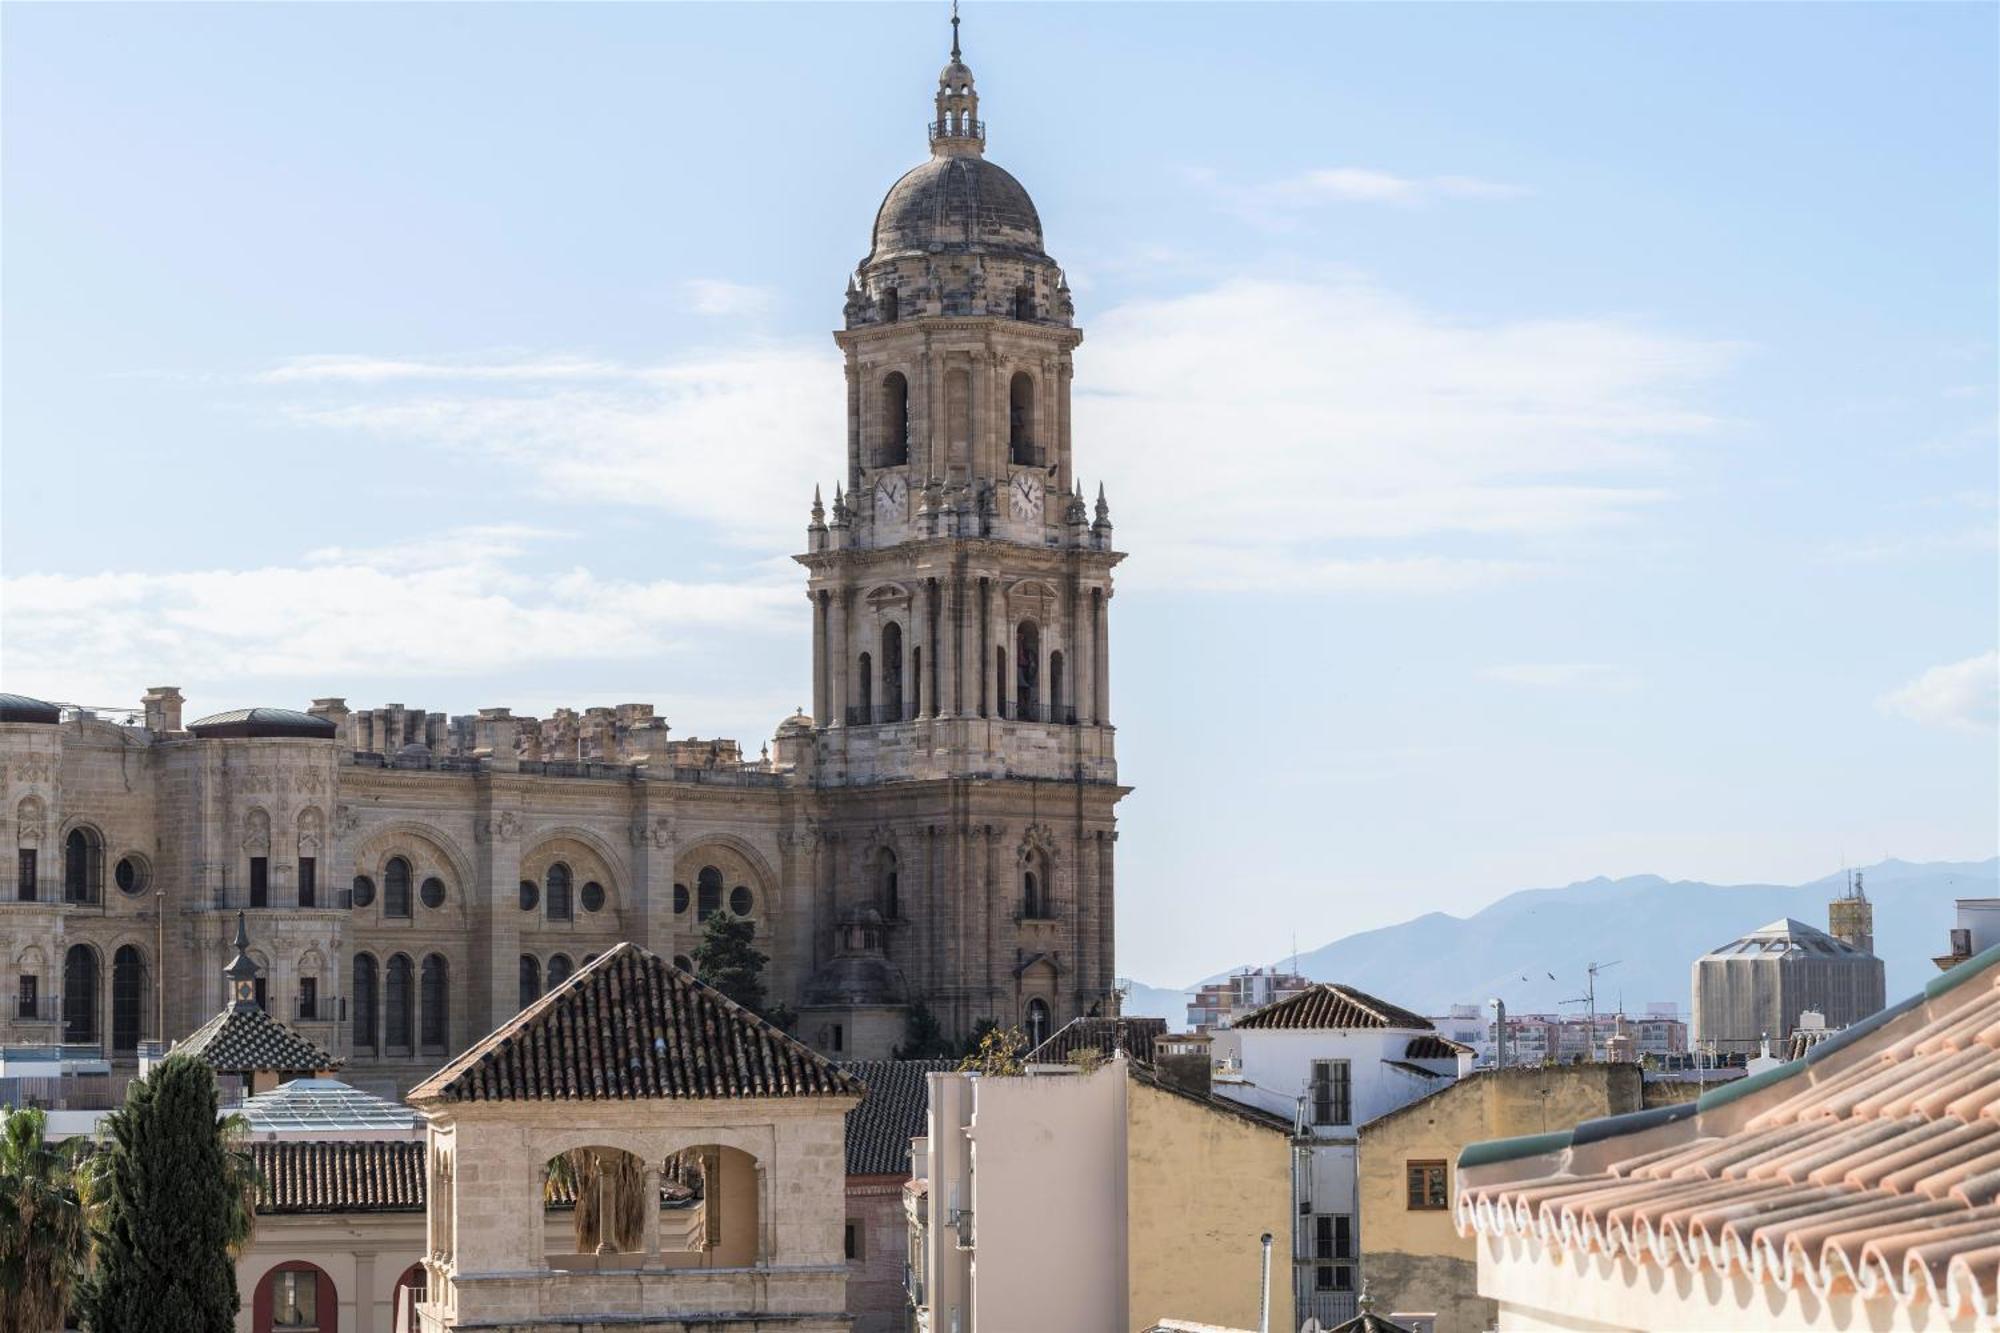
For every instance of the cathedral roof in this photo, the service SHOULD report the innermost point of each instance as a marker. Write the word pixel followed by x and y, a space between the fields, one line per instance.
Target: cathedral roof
pixel 1786 937
pixel 627 1026
pixel 242 722
pixel 20 708
pixel 957 203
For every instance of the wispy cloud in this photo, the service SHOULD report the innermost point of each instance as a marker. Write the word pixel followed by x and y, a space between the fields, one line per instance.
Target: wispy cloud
pixel 715 296
pixel 1281 204
pixel 1263 428
pixel 1958 696
pixel 1596 676
pixel 463 604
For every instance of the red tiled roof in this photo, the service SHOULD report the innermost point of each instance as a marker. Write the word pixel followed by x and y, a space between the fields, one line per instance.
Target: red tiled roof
pixel 336 1176
pixel 1872 1167
pixel 1327 1005
pixel 1430 1046
pixel 631 1025
pixel 243 1039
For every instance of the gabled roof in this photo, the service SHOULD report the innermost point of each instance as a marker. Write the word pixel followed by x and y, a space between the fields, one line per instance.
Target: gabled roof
pixel 1134 1036
pixel 1872 1166
pixel 243 1039
pixel 632 1025
pixel 1431 1046
pixel 335 1176
pixel 325 1107
pixel 892 1112
pixel 1327 1005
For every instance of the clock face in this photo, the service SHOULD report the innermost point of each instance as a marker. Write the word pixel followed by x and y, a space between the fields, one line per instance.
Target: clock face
pixel 1025 495
pixel 890 493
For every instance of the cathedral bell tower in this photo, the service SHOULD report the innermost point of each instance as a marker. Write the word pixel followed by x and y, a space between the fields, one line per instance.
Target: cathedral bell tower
pixel 960 581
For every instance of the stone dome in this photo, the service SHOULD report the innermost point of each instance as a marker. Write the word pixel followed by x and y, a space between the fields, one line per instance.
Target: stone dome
pixel 264 723
pixel 857 979
pixel 20 708
pixel 957 202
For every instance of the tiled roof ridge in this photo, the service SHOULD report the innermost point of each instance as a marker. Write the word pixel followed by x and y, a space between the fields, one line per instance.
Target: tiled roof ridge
pixel 654 1031
pixel 241 1039
pixel 1879 1174
pixel 339 1175
pixel 1384 1013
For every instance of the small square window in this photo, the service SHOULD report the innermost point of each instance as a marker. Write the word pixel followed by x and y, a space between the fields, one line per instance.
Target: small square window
pixel 1429 1186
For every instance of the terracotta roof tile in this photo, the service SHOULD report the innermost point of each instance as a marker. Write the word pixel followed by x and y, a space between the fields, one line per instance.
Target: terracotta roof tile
pixel 632 1025
pixel 1326 1005
pixel 336 1176
pixel 891 1113
pixel 1874 1163
pixel 243 1039
pixel 1134 1036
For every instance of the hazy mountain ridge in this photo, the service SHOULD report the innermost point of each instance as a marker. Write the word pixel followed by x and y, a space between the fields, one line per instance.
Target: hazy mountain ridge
pixel 1654 927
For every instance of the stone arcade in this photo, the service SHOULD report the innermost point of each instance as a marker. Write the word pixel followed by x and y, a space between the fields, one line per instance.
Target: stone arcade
pixel 939 830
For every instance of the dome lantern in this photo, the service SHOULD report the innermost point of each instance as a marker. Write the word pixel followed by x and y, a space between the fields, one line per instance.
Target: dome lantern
pixel 955 126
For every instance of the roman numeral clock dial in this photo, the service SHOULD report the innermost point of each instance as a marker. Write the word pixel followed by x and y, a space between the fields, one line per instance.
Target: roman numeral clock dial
pixel 1025 495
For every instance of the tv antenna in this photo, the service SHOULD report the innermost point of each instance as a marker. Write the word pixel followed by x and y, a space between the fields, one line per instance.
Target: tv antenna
pixel 1589 997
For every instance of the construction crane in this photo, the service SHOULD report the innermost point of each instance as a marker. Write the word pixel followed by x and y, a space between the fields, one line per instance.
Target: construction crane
pixel 1589 997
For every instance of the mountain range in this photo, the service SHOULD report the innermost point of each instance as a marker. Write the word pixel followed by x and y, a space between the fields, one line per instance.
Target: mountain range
pixel 1531 948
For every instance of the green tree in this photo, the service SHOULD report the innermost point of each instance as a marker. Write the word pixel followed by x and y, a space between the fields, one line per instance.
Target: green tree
pixel 43 1223
pixel 999 1053
pixel 923 1036
pixel 176 1209
pixel 727 959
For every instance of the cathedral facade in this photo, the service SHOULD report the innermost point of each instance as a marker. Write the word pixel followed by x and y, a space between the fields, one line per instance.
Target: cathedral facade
pixel 939 831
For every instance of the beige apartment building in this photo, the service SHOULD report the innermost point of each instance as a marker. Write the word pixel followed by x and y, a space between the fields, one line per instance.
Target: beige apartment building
pixel 939 829
pixel 1106 1198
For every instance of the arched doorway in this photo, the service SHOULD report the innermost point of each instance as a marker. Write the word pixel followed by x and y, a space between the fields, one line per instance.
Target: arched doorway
pixel 295 1295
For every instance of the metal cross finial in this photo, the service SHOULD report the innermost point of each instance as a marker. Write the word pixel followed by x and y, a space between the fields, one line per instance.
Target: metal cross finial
pixel 954 29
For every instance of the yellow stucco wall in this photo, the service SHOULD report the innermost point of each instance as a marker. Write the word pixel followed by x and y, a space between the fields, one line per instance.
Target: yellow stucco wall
pixel 1201 1187
pixel 1412 1259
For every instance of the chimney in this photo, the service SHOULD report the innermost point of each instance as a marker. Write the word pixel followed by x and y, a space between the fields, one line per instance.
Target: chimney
pixel 163 708
pixel 1184 1062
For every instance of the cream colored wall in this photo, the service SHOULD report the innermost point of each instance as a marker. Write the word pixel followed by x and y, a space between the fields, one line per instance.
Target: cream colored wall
pixel 1414 1260
pixel 1048 1200
pixel 1201 1188
pixel 364 1254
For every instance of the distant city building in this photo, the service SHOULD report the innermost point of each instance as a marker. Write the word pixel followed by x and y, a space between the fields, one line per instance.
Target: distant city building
pixel 1220 1003
pixel 1755 988
pixel 1977 930
pixel 1559 1038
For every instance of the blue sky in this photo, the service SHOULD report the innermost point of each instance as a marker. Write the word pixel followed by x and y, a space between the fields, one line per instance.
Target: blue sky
pixel 1550 440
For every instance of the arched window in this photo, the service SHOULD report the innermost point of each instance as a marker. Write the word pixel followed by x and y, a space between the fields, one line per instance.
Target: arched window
pixel 83 866
pixel 1024 302
pixel 79 1001
pixel 559 969
pixel 400 1004
pixel 295 1295
pixel 410 1288
pixel 367 1003
pixel 892 306
pixel 555 891
pixel 1038 1022
pixel 1055 687
pixel 436 1002
pixel 1033 894
pixel 1021 420
pixel 1027 668
pixel 531 979
pixel 1004 705
pixel 885 883
pixel 892 671
pixel 128 998
pixel 866 668
pixel 708 893
pixel 396 887
pixel 895 449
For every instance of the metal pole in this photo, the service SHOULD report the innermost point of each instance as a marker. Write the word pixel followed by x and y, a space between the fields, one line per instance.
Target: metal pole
pixel 1264 1297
